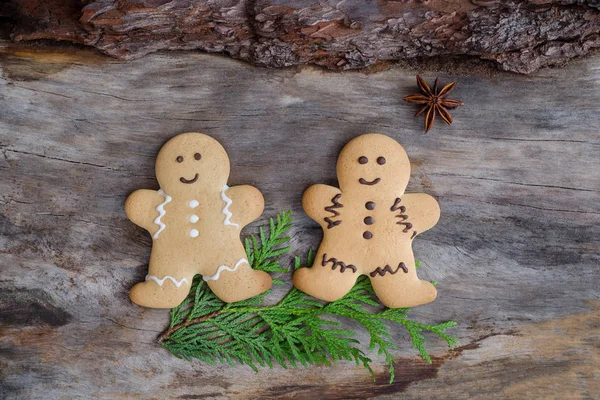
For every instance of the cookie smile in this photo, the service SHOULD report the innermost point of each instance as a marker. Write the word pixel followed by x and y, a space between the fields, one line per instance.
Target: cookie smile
pixel 183 180
pixel 373 182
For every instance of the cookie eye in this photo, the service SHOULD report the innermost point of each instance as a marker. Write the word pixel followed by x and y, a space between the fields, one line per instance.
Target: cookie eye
pixel 197 156
pixel 363 160
pixel 179 159
pixel 380 160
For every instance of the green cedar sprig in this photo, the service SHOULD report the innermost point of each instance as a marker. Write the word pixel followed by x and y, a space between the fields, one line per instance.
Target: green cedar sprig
pixel 299 330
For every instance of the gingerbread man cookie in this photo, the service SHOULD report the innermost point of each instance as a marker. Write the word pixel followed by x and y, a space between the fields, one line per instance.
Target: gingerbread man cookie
pixel 369 225
pixel 195 221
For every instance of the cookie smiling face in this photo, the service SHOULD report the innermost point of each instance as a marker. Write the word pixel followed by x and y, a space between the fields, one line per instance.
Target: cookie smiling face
pixel 192 163
pixel 373 162
pixel 180 159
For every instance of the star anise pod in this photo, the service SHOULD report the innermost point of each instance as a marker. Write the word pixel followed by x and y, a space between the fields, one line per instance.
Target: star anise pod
pixel 434 102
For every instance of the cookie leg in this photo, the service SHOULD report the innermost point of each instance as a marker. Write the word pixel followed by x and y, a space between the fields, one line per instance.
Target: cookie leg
pixel 329 279
pixel 399 287
pixel 161 292
pixel 239 282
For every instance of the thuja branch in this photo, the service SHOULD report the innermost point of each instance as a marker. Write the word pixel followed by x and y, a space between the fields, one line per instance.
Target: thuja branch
pixel 292 332
pixel 168 332
pixel 242 310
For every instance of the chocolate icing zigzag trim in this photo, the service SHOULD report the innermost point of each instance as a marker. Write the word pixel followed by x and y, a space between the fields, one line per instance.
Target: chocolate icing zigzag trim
pixel 342 265
pixel 397 205
pixel 387 268
pixel 403 217
pixel 332 209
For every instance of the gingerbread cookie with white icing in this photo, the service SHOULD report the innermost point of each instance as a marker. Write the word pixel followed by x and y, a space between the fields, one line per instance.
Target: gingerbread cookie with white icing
pixel 369 224
pixel 195 221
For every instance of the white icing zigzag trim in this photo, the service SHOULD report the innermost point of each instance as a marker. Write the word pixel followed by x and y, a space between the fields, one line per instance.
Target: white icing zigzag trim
pixel 161 212
pixel 161 281
pixel 225 268
pixel 225 209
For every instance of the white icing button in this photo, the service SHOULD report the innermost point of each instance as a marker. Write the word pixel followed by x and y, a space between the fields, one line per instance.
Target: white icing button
pixel 194 218
pixel 194 203
pixel 194 233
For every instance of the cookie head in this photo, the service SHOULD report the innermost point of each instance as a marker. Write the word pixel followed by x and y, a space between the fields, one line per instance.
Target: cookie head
pixel 190 163
pixel 373 162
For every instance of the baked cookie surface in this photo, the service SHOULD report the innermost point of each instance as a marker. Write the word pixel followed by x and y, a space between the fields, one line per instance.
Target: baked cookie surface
pixel 195 220
pixel 369 225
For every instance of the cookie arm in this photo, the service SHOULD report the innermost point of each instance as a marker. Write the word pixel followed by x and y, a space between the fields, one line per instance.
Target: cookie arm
pixel 316 199
pixel 247 204
pixel 140 208
pixel 423 211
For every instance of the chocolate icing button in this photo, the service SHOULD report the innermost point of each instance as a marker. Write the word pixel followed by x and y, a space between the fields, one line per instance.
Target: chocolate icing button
pixel 367 235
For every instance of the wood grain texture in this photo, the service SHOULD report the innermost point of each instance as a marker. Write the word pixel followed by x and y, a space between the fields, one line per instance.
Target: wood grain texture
pixel 516 35
pixel 516 251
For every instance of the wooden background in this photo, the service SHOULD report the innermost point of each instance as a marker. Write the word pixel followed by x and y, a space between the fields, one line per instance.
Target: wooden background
pixel 516 252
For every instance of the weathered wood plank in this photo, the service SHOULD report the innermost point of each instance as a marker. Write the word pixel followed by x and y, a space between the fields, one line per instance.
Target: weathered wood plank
pixel 516 251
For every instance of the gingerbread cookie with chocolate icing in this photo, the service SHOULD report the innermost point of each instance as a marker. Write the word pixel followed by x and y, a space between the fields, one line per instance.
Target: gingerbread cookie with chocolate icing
pixel 195 221
pixel 369 224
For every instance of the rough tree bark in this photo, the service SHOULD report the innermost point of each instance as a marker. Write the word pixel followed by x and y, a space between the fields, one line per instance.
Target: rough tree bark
pixel 519 36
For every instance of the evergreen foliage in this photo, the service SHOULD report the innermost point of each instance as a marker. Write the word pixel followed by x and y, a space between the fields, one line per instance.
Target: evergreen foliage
pixel 297 331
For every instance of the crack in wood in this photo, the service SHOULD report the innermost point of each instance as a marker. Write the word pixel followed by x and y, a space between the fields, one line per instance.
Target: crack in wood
pixel 64 160
pixel 447 174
